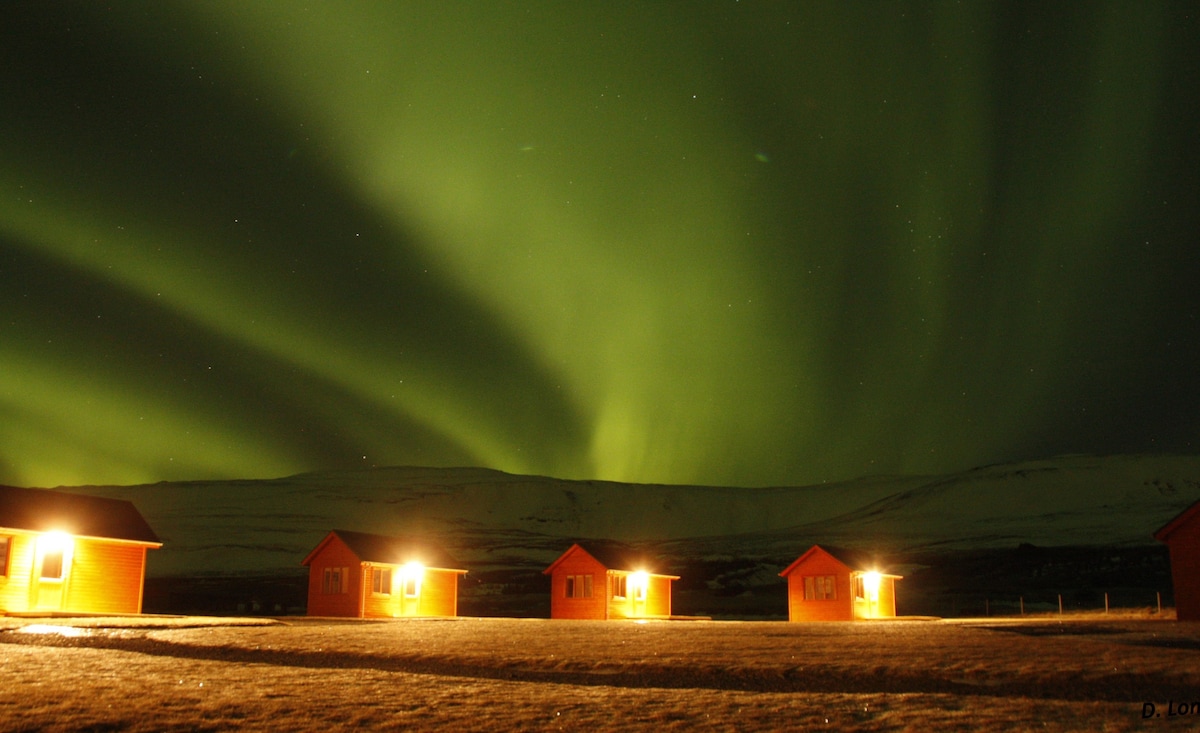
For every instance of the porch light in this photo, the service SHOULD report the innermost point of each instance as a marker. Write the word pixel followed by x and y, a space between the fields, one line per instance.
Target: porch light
pixel 638 582
pixel 54 554
pixel 410 578
pixel 54 541
pixel 871 584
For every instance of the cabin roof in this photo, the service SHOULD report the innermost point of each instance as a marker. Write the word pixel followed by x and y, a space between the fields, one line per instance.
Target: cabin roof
pixel 43 510
pixel 852 560
pixel 613 556
pixel 378 548
pixel 1184 517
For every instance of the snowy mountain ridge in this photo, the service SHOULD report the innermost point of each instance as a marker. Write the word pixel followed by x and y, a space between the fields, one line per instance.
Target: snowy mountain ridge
pixel 490 518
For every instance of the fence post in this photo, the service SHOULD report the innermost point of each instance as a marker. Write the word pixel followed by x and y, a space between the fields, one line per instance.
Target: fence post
pixel 1158 595
pixel 1060 604
pixel 1105 603
pixel 1022 605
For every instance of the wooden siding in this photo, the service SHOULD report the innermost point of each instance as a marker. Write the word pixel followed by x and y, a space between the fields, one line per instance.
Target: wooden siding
pixel 885 600
pixel 604 603
pixel 105 577
pixel 1183 544
pixel 887 597
pixel 625 606
pixel 437 594
pixel 578 563
pixel 15 586
pixel 377 605
pixel 655 604
pixel 838 608
pixel 658 597
pixel 99 576
pixel 816 567
pixel 348 602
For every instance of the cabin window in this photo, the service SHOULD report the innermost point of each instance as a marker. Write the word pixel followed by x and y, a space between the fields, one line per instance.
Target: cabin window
pixel 335 581
pixel 579 586
pixel 818 588
pixel 619 586
pixel 411 587
pixel 5 543
pixel 52 564
pixel 860 590
pixel 381 581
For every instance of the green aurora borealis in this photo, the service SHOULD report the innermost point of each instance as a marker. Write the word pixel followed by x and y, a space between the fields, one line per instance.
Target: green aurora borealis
pixel 739 243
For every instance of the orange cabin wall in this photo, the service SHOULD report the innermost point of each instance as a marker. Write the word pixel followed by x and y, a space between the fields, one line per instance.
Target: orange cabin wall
pixel 885 604
pixel 839 608
pixel 657 603
pixel 658 596
pixel 335 554
pixel 603 604
pixel 99 576
pixel 596 607
pixel 15 579
pixel 887 597
pixel 436 597
pixel 105 577
pixel 1183 544
pixel 439 593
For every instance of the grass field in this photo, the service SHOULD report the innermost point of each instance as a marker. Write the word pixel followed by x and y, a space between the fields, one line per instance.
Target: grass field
pixel 189 673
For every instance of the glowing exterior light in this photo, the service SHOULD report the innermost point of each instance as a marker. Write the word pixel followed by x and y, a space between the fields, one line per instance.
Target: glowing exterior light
pixel 410 579
pixel 54 551
pixel 871 585
pixel 56 541
pixel 638 583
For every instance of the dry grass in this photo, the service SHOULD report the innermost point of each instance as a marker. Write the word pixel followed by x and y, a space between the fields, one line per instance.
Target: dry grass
pixel 477 674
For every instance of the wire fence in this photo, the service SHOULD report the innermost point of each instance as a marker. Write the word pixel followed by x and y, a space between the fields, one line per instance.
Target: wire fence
pixel 1118 602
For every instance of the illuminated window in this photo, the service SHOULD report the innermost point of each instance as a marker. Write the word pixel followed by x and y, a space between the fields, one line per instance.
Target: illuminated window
pixel 381 581
pixel 619 586
pixel 411 587
pixel 5 543
pixel 579 586
pixel 335 581
pixel 52 564
pixel 860 592
pixel 818 588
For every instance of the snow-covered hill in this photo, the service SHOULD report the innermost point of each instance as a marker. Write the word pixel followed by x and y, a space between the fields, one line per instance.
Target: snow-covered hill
pixel 492 519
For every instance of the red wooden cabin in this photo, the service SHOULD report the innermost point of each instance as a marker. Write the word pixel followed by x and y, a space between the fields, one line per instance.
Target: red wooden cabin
pixel 374 576
pixel 823 588
pixel 603 583
pixel 66 553
pixel 1182 537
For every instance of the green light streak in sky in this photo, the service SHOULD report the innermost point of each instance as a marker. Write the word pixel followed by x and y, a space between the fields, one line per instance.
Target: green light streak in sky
pixel 231 302
pixel 733 243
pixel 640 302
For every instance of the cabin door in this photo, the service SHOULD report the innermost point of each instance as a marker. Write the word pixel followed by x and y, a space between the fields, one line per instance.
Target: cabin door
pixel 47 596
pixel 48 581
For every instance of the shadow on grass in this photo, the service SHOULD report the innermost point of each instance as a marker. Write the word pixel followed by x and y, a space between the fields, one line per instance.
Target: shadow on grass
pixel 1115 687
pixel 1092 629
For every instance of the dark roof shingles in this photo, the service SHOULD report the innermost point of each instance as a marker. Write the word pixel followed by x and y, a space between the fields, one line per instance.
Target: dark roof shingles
pixel 43 510
pixel 394 550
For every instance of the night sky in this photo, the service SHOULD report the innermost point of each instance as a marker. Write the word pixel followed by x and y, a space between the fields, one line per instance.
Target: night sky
pixel 741 243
